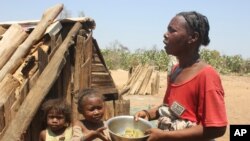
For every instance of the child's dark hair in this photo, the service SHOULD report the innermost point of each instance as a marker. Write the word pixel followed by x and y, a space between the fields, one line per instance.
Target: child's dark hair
pixel 87 93
pixel 58 105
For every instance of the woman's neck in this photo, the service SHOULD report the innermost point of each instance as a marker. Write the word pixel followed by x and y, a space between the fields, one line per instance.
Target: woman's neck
pixel 188 61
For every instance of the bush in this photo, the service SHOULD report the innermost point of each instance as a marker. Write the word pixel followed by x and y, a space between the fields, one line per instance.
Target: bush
pixel 117 56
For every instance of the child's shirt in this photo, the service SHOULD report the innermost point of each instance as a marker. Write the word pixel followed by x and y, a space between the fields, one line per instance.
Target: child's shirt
pixel 66 136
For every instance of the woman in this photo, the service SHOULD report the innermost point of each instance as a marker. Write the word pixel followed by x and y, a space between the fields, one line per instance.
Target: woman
pixel 194 94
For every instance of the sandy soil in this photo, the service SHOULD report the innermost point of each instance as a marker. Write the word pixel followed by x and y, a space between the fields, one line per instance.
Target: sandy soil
pixel 237 97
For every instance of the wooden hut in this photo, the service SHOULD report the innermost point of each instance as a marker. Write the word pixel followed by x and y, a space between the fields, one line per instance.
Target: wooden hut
pixel 44 59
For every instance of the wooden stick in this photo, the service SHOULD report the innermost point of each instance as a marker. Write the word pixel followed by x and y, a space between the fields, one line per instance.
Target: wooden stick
pixel 156 83
pixel 138 82
pixel 7 94
pixel 79 58
pixel 12 38
pixel 146 80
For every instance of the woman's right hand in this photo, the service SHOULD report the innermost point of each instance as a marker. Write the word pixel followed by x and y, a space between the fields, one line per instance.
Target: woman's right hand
pixel 150 114
pixel 141 114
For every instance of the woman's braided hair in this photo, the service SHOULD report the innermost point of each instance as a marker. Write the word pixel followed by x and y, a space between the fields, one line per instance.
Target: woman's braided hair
pixel 199 23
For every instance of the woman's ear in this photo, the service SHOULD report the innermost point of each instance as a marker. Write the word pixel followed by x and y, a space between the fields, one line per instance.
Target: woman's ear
pixel 193 38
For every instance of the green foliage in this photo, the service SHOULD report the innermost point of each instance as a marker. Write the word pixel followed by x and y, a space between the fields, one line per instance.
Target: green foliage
pixel 234 63
pixel 247 66
pixel 213 58
pixel 118 56
pixel 226 64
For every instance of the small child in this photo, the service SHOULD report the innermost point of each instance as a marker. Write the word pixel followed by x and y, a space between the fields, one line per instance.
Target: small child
pixel 58 119
pixel 91 128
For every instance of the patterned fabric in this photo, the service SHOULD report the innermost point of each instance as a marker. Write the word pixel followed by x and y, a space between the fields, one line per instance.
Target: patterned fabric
pixel 169 121
pixel 66 136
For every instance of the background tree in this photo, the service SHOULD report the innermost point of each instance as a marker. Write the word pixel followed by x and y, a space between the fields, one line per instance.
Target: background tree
pixel 118 56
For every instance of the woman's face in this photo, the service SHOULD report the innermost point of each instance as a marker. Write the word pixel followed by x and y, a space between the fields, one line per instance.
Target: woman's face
pixel 93 109
pixel 55 120
pixel 176 38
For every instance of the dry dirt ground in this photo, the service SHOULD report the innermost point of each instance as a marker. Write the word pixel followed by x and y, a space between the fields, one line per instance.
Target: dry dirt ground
pixel 237 97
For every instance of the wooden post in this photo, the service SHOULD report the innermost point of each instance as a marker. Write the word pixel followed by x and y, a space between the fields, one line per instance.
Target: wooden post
pixel 43 58
pixel 122 107
pixel 138 83
pixel 79 59
pixel 7 94
pixel 85 71
pixel 13 37
pixel 37 93
pixel 146 80
pixel 66 84
pixel 110 110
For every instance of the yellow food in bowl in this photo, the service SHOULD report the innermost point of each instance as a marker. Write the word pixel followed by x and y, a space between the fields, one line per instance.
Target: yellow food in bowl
pixel 132 133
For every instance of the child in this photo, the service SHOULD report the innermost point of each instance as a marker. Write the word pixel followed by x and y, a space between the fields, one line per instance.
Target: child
pixel 91 106
pixel 58 118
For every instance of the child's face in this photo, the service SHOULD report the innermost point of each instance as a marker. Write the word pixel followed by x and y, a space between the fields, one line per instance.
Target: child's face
pixel 55 120
pixel 93 109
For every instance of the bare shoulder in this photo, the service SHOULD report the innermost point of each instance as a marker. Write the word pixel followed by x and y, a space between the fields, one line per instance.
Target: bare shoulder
pixel 42 135
pixel 77 123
